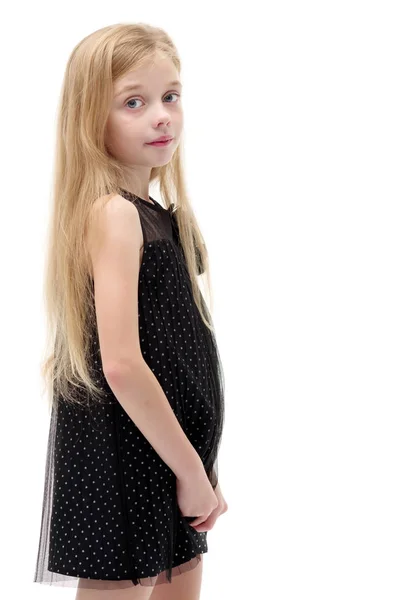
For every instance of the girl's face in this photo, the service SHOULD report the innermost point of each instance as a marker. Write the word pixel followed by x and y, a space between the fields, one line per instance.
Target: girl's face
pixel 146 105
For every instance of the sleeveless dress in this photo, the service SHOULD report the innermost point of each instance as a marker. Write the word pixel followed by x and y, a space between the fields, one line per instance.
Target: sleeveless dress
pixel 109 509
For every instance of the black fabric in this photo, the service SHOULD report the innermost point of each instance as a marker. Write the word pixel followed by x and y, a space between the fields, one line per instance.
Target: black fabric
pixel 109 507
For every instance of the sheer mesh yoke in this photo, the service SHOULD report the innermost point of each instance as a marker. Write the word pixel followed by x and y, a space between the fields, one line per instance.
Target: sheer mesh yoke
pixel 110 517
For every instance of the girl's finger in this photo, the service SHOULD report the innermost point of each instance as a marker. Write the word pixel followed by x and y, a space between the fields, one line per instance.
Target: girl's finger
pixel 207 524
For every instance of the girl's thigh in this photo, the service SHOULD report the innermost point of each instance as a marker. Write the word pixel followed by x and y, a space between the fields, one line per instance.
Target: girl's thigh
pixel 185 586
pixel 111 590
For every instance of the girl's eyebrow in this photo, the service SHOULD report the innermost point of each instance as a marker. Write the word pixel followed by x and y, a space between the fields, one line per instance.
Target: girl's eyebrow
pixel 136 86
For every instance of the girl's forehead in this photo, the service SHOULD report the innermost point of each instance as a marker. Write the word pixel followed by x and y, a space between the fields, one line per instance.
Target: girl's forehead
pixel 148 73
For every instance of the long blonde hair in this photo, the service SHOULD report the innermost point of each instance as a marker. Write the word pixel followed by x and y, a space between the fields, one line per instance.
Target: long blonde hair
pixel 84 171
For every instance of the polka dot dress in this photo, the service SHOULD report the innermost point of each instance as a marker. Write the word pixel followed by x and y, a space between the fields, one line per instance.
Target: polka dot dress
pixel 109 508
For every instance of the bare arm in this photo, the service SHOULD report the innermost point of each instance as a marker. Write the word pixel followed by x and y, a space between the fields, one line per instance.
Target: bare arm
pixel 115 238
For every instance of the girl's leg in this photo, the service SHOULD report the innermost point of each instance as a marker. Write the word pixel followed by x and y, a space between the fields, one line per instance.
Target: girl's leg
pixel 185 586
pixel 100 590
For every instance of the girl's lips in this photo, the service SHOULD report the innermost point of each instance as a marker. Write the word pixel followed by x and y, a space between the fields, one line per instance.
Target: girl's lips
pixel 160 143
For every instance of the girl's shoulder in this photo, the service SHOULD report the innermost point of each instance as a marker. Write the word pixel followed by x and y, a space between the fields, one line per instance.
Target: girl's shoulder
pixel 114 201
pixel 111 213
pixel 108 207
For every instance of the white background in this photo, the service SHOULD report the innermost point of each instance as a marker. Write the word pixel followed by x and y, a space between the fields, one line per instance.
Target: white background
pixel 292 144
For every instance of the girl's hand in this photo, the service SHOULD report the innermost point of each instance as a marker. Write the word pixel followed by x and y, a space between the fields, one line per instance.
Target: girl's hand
pixel 219 510
pixel 195 496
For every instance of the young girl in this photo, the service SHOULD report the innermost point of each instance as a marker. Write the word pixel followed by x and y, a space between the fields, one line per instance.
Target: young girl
pixel 136 381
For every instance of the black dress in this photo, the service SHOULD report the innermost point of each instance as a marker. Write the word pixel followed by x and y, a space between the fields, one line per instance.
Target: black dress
pixel 109 508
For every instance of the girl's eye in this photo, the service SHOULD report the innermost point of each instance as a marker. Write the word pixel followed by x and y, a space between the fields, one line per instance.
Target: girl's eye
pixel 137 99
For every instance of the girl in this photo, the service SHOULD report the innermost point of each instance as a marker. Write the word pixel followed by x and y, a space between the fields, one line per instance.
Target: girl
pixel 136 381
